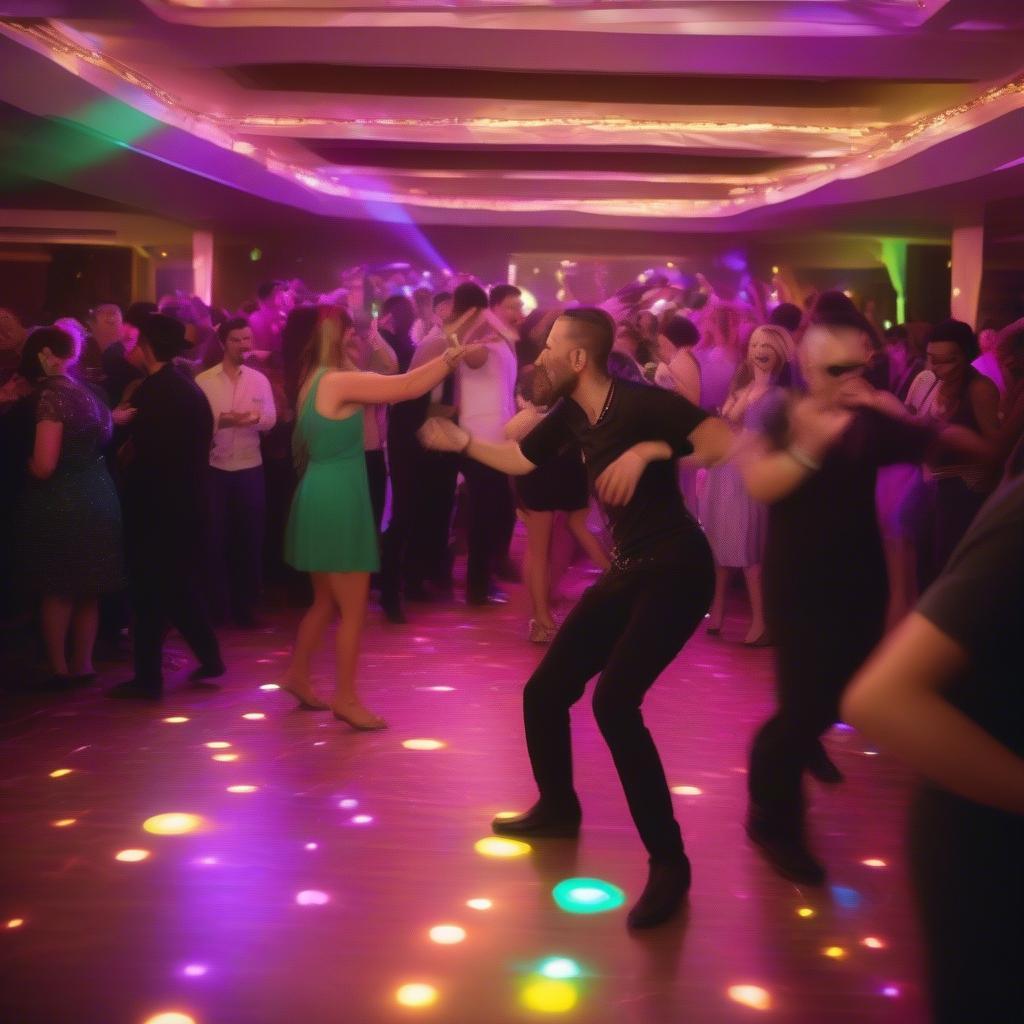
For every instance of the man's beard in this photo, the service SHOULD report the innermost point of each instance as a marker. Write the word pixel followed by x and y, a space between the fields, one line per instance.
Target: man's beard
pixel 547 390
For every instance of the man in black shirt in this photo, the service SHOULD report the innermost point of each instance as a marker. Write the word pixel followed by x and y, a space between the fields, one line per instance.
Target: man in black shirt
pixel 631 624
pixel 165 506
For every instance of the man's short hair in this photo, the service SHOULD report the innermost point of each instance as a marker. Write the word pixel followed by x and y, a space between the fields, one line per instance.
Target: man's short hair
pixel 787 315
pixel 681 331
pixel 594 331
pixel 234 323
pixel 500 292
pixel 468 295
pixel 441 297
pixel 265 290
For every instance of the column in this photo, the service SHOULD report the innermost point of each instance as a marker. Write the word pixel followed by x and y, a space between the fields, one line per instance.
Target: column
pixel 965 282
pixel 202 265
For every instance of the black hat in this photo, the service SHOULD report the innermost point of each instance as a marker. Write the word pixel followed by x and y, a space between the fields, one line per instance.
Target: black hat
pixel 164 335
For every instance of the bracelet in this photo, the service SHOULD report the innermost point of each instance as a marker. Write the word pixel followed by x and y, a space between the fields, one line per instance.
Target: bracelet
pixel 797 454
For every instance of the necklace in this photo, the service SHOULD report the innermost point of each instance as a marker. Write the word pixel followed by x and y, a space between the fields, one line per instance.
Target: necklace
pixel 607 403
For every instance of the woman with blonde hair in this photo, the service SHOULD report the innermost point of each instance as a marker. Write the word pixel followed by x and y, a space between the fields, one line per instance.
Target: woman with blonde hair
pixel 331 532
pixel 735 524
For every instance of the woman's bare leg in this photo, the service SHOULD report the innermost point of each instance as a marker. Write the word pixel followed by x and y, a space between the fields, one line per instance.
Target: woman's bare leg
pixel 297 679
pixel 85 622
pixel 56 615
pixel 537 567
pixel 351 592
pixel 590 544
pixel 717 612
pixel 752 574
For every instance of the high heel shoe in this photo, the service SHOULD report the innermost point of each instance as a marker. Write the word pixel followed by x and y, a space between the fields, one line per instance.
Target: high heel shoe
pixel 371 724
pixel 764 640
pixel 307 703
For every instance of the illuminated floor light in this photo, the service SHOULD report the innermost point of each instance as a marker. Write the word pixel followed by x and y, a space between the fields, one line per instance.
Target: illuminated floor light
pixel 173 824
pixel 437 689
pixel 805 912
pixel 170 1017
pixel 254 716
pixel 687 790
pixel 550 995
pixel 270 686
pixel 559 967
pixel 361 819
pixel 890 991
pixel 15 922
pixel 753 996
pixel 871 753
pixel 131 856
pixel 848 899
pixel 505 815
pixel 447 934
pixel 874 862
pixel 834 952
pixel 872 943
pixel 242 789
pixel 479 903
pixel 60 773
pixel 207 861
pixel 348 803
pixel 194 970
pixel 422 744
pixel 416 994
pixel 175 719
pixel 217 744
pixel 311 846
pixel 312 898
pixel 495 846
pixel 587 896
pixel 225 757
pixel 64 822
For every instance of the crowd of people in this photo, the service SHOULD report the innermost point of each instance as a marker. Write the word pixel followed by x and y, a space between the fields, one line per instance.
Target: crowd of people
pixel 160 461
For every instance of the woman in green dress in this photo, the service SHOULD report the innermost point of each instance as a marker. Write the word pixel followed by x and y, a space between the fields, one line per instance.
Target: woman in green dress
pixel 331 533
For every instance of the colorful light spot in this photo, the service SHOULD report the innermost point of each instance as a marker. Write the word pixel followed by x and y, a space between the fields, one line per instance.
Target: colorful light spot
pixel 805 912
pixel 848 899
pixel 175 823
pixel 312 898
pixel 550 995
pixel 131 856
pixel 194 970
pixel 422 744
pixel 311 846
pixel 687 790
pixel 242 789
pixel 495 846
pixel 269 686
pixel 559 967
pixel 890 991
pixel 834 952
pixel 753 996
pixel 447 934
pixel 15 922
pixel 170 1017
pixel 348 803
pixel 479 903
pixel 207 861
pixel 175 719
pixel 587 896
pixel 60 773
pixel 416 994
pixel 872 943
pixel 361 819
pixel 217 744
pixel 63 822
pixel 225 757
pixel 438 689
pixel 505 815
pixel 874 862
pixel 254 716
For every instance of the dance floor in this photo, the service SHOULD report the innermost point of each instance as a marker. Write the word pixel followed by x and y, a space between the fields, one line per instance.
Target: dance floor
pixel 329 877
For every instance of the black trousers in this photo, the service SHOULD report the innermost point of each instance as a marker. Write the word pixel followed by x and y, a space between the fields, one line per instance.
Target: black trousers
pixel 165 581
pixel 405 466
pixel 377 475
pixel 491 518
pixel 238 513
pixel 626 629
pixel 431 558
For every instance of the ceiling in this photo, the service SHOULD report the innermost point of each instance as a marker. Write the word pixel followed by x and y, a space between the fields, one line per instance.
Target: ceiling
pixel 665 115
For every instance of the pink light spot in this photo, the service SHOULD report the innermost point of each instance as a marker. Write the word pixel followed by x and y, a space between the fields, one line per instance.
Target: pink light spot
pixel 362 819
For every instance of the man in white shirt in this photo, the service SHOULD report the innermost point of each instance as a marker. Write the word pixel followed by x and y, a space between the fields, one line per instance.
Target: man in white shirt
pixel 243 407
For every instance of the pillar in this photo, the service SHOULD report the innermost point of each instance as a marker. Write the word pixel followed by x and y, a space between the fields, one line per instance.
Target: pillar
pixel 202 265
pixel 965 280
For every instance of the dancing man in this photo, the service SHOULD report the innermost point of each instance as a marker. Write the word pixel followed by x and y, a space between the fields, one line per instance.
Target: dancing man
pixel 631 624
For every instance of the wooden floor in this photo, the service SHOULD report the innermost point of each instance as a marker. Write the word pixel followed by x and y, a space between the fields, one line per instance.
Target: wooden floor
pixel 309 896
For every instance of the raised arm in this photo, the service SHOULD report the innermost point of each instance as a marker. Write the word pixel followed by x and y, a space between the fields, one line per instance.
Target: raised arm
pixel 374 388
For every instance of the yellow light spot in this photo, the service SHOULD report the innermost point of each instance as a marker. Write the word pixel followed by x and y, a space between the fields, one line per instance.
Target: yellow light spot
pixel 874 862
pixel 64 822
pixel 60 773
pixel 550 995
pixel 775 270
pixel 174 823
pixel 242 789
pixel 753 996
pixel 835 952
pixel 670 264
pixel 805 912
pixel 479 904
pixel 422 744
pixel 254 716
pixel 225 757
pixel 218 744
pixel 170 1017
pixel 447 934
pixel 687 790
pixel 416 994
pixel 956 293
pixel 131 856
pixel 494 846
pixel 175 719
pixel 872 943
pixel 505 815
pixel 15 922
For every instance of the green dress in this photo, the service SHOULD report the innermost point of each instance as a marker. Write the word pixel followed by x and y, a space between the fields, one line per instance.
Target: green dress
pixel 331 528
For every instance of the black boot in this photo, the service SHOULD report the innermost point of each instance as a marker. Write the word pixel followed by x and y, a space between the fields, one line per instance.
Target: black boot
pixel 665 892
pixel 823 768
pixel 542 821
pixel 786 851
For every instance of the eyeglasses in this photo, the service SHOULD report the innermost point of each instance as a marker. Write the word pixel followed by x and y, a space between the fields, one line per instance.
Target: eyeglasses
pixel 842 369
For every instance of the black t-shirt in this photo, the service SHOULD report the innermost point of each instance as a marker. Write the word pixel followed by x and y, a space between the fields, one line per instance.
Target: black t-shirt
pixel 655 516
pixel 824 548
pixel 978 601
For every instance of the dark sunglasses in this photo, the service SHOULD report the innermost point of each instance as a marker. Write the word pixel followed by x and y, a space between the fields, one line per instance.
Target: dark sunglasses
pixel 842 369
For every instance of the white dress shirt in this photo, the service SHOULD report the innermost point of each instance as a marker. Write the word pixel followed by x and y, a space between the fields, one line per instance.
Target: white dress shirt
pixel 235 448
pixel 486 396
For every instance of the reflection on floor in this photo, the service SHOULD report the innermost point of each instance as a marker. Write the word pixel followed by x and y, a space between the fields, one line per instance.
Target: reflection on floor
pixel 230 859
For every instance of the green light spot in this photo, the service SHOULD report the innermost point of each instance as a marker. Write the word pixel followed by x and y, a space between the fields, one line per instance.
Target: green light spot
pixel 587 896
pixel 560 967
pixel 255 255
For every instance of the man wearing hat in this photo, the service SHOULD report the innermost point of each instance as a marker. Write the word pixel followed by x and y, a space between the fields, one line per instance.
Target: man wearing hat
pixel 166 465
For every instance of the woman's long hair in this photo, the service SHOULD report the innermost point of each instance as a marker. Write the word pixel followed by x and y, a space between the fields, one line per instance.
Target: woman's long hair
pixel 325 347
pixel 782 345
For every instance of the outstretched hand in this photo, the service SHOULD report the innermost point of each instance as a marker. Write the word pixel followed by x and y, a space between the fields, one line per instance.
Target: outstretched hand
pixel 816 427
pixel 617 483
pixel 442 435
